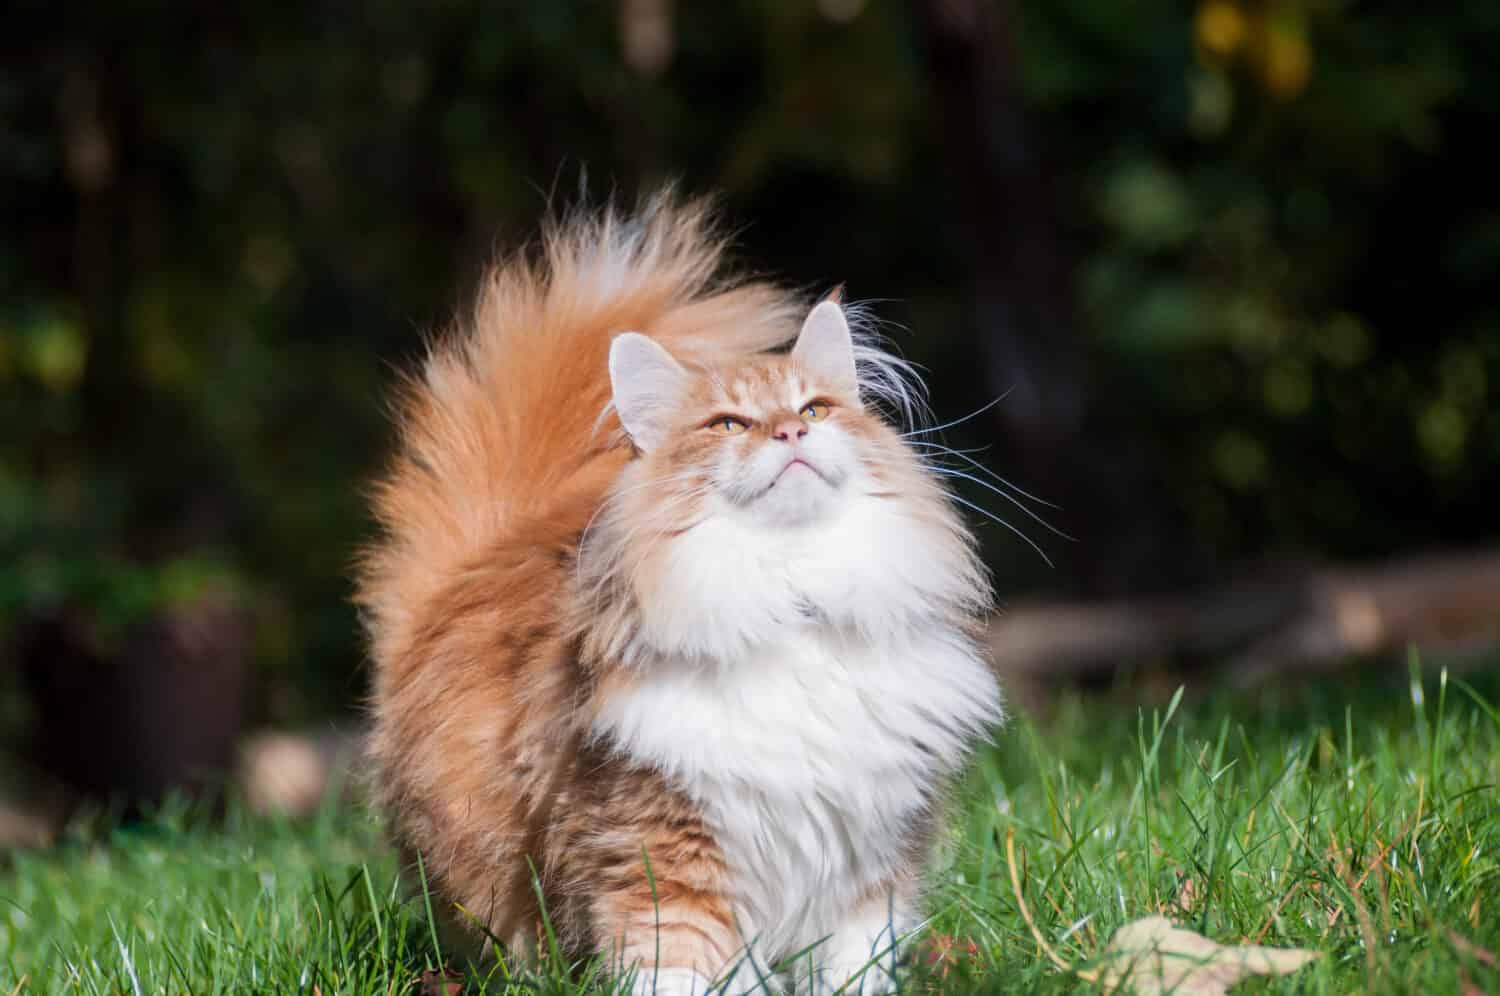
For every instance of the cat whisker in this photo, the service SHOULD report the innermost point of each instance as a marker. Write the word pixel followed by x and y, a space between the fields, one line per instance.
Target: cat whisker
pixel 996 519
pixel 962 455
pixel 942 471
pixel 958 421
pixel 948 449
pixel 884 375
pixel 955 472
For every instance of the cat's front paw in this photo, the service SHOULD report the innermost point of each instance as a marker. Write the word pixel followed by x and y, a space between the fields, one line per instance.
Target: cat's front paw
pixel 853 979
pixel 669 982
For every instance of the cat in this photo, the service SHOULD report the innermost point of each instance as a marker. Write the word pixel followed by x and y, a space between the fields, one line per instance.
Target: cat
pixel 675 637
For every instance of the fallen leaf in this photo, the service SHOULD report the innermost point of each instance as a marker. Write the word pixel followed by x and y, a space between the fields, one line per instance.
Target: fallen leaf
pixel 941 951
pixel 1151 956
pixel 1186 898
pixel 444 983
pixel 943 947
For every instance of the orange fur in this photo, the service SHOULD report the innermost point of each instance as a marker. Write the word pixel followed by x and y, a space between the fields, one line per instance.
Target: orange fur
pixel 524 600
pixel 479 693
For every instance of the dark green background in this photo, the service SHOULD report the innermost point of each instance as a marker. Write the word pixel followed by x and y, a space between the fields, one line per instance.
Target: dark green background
pixel 1270 233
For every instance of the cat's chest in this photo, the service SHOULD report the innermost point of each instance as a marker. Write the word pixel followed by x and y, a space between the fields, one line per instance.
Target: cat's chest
pixel 806 713
pixel 812 757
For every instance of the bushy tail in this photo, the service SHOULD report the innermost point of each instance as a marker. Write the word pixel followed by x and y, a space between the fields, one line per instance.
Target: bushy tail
pixel 508 418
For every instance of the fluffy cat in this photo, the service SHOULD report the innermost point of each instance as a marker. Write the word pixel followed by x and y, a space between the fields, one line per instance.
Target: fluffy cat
pixel 667 623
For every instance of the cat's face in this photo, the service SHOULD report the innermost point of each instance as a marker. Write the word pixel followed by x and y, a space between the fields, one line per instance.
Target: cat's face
pixel 776 440
pixel 764 496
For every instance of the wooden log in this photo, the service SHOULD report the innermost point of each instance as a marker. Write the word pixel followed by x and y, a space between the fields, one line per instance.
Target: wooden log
pixel 1446 604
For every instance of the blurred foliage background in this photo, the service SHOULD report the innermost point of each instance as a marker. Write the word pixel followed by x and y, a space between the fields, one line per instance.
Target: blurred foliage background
pixel 1230 264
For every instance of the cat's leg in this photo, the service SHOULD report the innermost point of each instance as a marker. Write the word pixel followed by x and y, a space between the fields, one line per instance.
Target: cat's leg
pixel 641 876
pixel 657 888
pixel 678 944
pixel 866 945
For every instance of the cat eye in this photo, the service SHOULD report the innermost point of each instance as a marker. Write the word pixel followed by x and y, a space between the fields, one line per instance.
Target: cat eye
pixel 815 411
pixel 728 425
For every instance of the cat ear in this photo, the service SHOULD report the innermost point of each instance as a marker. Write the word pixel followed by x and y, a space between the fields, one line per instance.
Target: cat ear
pixel 826 348
pixel 648 386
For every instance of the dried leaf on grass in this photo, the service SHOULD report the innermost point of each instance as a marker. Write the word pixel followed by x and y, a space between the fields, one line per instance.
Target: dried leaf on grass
pixel 1151 956
pixel 1186 898
pixel 943 951
pixel 441 983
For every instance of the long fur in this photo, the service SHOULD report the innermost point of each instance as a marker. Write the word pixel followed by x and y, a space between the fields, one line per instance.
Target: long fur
pixel 714 716
pixel 503 424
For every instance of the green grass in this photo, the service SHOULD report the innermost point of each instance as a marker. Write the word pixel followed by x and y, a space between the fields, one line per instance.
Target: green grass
pixel 1359 819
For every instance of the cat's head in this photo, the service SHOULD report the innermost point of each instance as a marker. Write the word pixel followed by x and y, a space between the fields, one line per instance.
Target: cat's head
pixel 768 492
pixel 777 439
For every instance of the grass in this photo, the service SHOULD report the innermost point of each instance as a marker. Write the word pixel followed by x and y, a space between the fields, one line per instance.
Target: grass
pixel 1359 819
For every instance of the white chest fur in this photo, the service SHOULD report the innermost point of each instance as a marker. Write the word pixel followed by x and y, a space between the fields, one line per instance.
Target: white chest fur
pixel 811 757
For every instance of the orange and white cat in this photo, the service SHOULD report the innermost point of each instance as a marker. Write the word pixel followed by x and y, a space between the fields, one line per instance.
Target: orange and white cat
pixel 668 624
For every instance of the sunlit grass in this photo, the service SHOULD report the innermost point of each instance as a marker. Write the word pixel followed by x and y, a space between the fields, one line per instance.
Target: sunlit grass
pixel 1367 830
pixel 1358 819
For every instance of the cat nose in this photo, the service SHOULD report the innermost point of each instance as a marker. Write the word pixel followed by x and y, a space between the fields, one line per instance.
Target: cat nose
pixel 789 429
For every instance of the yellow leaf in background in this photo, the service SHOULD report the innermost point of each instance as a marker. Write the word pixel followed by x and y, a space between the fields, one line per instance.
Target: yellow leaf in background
pixel 1150 956
pixel 57 352
pixel 1288 57
pixel 1220 27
